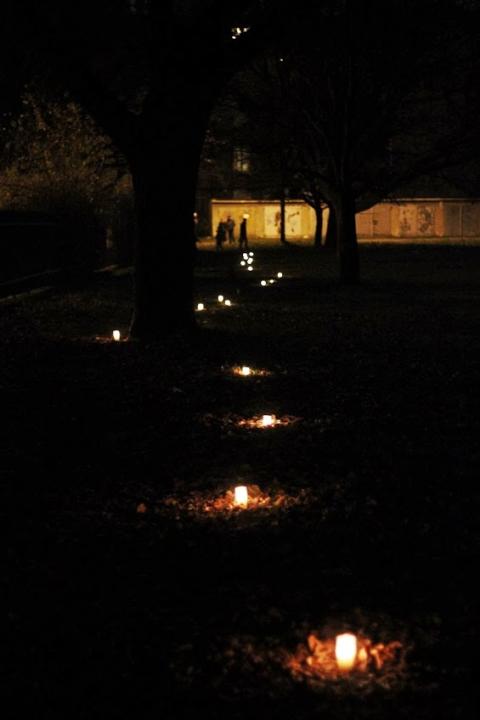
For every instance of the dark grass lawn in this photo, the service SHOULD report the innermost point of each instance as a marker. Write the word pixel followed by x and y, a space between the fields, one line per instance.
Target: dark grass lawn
pixel 164 614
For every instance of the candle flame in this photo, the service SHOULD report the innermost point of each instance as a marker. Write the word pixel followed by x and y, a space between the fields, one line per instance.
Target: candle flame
pixel 279 275
pixel 241 496
pixel 116 335
pixel 228 303
pixel 246 370
pixel 200 306
pixel 345 651
pixel 268 420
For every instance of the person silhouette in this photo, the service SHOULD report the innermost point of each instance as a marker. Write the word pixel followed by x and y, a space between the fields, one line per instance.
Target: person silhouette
pixel 243 238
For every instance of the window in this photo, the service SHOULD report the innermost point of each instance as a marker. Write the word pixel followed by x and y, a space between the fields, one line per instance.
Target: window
pixel 241 160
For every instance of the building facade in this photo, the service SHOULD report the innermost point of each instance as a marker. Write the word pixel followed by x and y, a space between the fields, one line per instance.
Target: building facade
pixel 409 220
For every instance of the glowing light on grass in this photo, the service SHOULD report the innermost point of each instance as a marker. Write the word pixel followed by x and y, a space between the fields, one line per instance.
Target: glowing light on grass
pixel 200 307
pixel 241 496
pixel 116 335
pixel 345 651
pixel 220 298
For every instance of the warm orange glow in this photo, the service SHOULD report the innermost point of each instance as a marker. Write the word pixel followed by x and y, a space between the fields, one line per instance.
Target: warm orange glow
pixel 250 268
pixel 246 370
pixel 345 651
pixel 116 335
pixel 241 496
pixel 268 420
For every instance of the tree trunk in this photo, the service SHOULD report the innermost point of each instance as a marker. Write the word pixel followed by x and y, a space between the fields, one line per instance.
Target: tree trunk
pixel 164 178
pixel 331 234
pixel 317 242
pixel 347 246
pixel 283 238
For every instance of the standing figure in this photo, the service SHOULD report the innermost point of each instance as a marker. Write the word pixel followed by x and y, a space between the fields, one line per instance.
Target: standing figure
pixel 221 235
pixel 230 224
pixel 242 238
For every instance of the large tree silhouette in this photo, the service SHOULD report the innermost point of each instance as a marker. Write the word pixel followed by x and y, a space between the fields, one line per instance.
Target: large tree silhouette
pixel 148 73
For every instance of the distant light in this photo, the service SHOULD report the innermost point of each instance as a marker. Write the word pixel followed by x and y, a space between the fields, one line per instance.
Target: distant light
pixel 250 254
pixel 250 268
pixel 263 283
pixel 279 275
pixel 245 256
pixel 220 298
pixel 271 281
pixel 241 496
pixel 116 335
pixel 250 261
pixel 200 306
pixel 242 263
pixel 268 420
pixel 246 370
pixel 246 216
pixel 228 303
pixel 345 651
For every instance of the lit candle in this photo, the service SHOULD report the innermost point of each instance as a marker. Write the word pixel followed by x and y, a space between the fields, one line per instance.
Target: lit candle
pixel 250 254
pixel 345 651
pixel 228 303
pixel 242 263
pixel 250 268
pixel 241 496
pixel 200 306
pixel 116 335
pixel 246 370
pixel 263 283
pixel 279 274
pixel 268 420
pixel 245 256
pixel 271 281
pixel 220 298
pixel 250 261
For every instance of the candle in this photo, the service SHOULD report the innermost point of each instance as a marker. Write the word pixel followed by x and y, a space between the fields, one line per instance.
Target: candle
pixel 200 306
pixel 271 281
pixel 242 263
pixel 268 420
pixel 279 274
pixel 220 298
pixel 250 268
pixel 250 254
pixel 345 651
pixel 245 256
pixel 263 283
pixel 241 496
pixel 228 303
pixel 250 261
pixel 246 370
pixel 116 335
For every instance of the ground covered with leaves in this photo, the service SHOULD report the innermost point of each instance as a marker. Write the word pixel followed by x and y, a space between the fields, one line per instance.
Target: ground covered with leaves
pixel 134 585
